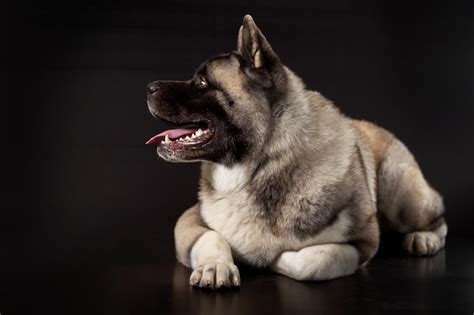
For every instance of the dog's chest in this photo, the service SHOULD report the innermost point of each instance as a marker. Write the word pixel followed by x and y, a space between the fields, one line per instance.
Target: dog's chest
pixel 236 218
pixel 231 210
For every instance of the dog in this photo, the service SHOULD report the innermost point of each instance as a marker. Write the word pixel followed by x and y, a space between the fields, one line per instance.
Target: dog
pixel 287 181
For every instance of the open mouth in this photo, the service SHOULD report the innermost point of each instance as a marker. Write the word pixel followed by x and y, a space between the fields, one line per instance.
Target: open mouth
pixel 189 136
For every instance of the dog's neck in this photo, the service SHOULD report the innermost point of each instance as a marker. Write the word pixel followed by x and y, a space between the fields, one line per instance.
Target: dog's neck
pixel 299 133
pixel 292 120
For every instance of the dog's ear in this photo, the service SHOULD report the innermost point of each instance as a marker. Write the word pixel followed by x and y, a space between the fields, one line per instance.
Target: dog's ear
pixel 253 46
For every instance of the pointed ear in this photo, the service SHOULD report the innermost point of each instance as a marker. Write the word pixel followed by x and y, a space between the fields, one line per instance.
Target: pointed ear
pixel 253 46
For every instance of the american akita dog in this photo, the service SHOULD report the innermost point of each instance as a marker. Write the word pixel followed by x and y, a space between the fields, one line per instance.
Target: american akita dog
pixel 288 182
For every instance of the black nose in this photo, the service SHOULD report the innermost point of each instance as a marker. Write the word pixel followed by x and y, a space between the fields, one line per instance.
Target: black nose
pixel 152 88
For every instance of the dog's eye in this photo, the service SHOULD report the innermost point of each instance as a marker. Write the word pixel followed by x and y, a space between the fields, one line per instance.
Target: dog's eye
pixel 201 83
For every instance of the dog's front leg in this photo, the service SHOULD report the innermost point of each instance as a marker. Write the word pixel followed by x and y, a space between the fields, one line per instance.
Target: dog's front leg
pixel 318 262
pixel 205 251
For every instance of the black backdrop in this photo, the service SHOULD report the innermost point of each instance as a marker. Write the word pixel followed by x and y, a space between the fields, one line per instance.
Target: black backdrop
pixel 78 183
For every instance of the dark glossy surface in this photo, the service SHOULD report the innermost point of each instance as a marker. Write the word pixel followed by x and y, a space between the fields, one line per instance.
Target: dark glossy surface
pixel 391 283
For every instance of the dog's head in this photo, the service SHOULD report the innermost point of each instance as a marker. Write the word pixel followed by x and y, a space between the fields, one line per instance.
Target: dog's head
pixel 224 113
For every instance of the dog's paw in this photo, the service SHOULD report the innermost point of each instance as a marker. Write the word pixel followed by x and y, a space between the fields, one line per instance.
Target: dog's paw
pixel 215 275
pixel 423 243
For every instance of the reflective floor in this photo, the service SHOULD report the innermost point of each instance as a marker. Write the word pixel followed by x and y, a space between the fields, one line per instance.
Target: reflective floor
pixel 391 283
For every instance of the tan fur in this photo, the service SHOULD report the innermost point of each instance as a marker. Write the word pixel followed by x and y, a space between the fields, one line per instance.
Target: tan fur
pixel 189 228
pixel 226 75
pixel 251 33
pixel 377 138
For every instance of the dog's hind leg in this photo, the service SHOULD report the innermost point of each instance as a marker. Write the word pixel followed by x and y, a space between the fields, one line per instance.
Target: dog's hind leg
pixel 205 251
pixel 408 204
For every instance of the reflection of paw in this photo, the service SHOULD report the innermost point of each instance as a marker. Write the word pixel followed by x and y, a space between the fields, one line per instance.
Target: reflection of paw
pixel 422 243
pixel 214 275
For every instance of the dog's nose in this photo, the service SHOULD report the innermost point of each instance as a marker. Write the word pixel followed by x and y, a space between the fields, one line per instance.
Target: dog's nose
pixel 152 88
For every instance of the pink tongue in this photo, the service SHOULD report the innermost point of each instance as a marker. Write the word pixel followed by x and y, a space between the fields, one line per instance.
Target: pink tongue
pixel 172 134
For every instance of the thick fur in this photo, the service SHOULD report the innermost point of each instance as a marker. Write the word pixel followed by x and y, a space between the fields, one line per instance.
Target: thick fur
pixel 300 187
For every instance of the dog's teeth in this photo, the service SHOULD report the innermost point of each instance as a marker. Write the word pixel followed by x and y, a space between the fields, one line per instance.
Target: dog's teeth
pixel 199 132
pixel 205 131
pixel 193 135
pixel 187 138
pixel 162 142
pixel 167 139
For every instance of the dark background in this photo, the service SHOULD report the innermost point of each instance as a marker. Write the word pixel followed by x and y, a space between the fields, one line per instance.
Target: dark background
pixel 80 188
